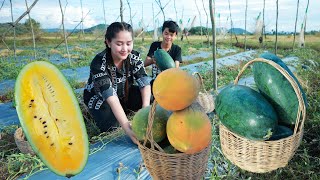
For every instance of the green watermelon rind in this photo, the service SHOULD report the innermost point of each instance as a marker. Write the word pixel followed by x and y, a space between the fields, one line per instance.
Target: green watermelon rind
pixel 281 132
pixel 246 112
pixel 140 123
pixel 163 60
pixel 76 105
pixel 278 91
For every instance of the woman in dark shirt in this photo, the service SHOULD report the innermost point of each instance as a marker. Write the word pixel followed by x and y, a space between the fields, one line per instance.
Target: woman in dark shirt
pixel 118 81
pixel 169 34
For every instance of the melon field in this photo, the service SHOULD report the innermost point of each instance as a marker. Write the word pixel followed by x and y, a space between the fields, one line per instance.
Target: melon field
pixel 125 161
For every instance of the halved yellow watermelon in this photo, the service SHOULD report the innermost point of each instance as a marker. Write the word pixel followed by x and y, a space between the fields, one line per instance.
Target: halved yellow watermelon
pixel 51 118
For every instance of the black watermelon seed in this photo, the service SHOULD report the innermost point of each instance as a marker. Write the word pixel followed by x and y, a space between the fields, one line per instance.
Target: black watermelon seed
pixel 45 132
pixel 47 136
pixel 70 143
pixel 32 100
pixel 40 118
pixel 35 116
pixel 44 122
pixel 45 126
pixel 56 119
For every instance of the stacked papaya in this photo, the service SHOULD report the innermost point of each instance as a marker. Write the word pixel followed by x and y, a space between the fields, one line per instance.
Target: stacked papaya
pixel 179 125
pixel 267 114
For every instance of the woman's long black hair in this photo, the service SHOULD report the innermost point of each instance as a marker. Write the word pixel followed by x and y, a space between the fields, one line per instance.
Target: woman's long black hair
pixel 112 30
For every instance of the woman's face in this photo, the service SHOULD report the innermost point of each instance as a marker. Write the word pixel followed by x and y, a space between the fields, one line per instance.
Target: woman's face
pixel 121 46
pixel 168 37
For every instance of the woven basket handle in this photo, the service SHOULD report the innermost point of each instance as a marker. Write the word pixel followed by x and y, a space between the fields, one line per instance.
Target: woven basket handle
pixel 149 136
pixel 199 78
pixel 301 108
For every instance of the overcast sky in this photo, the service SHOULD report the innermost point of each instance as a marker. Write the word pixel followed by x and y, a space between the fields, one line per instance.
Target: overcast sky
pixel 47 12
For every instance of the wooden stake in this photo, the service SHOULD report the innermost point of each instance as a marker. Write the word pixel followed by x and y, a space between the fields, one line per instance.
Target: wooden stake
pixel 214 63
pixel 64 33
pixel 33 38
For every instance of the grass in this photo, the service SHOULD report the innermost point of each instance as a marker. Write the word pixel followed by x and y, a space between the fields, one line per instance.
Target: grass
pixel 7 97
pixel 304 165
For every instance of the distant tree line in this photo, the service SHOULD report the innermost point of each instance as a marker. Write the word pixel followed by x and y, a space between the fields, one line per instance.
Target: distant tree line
pixel 24 28
pixel 21 28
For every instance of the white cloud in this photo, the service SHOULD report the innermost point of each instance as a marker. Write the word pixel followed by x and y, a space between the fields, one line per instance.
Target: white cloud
pixel 48 12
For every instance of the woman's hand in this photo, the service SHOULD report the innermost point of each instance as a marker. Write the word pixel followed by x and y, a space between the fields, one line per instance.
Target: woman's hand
pixel 118 112
pixel 127 128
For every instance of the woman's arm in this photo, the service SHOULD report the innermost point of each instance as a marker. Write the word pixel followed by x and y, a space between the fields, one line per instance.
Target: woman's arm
pixel 120 115
pixel 145 94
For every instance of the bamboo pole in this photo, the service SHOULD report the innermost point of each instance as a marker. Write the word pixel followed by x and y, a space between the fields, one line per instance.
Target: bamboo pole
pixel 301 35
pixel 305 26
pixel 207 24
pixel 231 23
pixel 295 25
pixel 69 34
pixel 2 4
pixel 104 15
pixel 276 43
pixel 175 8
pixel 159 12
pixel 121 11
pixel 16 22
pixel 161 8
pixel 64 33
pixel 14 33
pixel 245 26
pixel 155 29
pixel 263 33
pixel 142 25
pixel 195 1
pixel 181 24
pixel 214 63
pixel 82 19
pixel 13 24
pixel 33 38
pixel 82 26
pixel 130 13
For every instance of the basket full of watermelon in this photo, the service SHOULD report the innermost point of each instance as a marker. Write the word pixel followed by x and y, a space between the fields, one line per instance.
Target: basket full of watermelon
pixel 174 133
pixel 261 129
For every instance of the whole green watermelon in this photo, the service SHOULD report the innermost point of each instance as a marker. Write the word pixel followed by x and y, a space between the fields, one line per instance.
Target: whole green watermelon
pixel 163 60
pixel 140 123
pixel 277 89
pixel 246 112
pixel 281 132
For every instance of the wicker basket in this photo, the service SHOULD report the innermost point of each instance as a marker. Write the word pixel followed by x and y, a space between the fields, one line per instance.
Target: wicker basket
pixel 264 156
pixel 22 143
pixel 205 99
pixel 171 166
